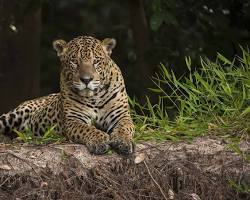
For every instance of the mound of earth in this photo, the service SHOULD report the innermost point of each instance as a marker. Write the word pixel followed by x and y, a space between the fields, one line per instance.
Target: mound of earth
pixel 204 169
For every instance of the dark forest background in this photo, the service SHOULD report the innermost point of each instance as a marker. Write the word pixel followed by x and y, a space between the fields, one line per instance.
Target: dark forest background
pixel 148 32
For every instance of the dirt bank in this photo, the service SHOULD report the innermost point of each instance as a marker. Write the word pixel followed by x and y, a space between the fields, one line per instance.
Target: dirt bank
pixel 204 169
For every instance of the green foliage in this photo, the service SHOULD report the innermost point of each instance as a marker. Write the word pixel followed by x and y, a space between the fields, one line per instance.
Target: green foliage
pixel 152 123
pixel 213 98
pixel 235 146
pixel 243 188
pixel 30 138
pixel 163 12
pixel 218 89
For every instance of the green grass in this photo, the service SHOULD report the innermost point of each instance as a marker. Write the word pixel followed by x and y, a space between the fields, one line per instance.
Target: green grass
pixel 49 136
pixel 213 98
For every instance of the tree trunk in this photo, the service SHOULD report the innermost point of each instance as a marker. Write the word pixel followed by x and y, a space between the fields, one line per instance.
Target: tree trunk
pixel 20 27
pixel 141 33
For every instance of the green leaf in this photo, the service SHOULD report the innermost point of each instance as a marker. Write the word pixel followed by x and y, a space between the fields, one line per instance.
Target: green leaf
pixel 49 132
pixel 156 21
pixel 156 5
pixel 188 62
pixel 21 135
pixel 165 71
pixel 224 59
pixel 245 112
pixel 156 90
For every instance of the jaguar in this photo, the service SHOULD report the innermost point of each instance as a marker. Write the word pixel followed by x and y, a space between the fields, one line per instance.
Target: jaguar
pixel 92 106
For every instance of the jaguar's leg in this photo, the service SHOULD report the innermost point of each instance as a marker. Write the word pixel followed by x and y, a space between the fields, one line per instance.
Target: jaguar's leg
pixel 96 141
pixel 121 138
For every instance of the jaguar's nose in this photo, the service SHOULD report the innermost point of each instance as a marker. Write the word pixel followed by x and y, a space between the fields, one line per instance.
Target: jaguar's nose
pixel 86 79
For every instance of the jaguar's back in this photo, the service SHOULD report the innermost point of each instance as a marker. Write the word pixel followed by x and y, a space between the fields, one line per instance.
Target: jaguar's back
pixel 37 115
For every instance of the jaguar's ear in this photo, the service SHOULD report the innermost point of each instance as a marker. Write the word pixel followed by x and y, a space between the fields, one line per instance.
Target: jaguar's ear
pixel 59 46
pixel 108 45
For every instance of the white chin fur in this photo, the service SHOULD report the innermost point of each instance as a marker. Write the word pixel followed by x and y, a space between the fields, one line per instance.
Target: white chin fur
pixel 86 93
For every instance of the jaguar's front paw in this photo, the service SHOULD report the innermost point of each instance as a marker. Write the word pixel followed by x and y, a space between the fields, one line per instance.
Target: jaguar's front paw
pixel 99 145
pixel 122 147
pixel 98 148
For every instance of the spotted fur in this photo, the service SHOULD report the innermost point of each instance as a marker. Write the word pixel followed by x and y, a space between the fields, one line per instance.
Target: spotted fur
pixel 92 106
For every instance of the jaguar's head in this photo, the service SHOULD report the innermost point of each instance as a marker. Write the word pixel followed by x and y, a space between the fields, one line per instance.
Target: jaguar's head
pixel 85 63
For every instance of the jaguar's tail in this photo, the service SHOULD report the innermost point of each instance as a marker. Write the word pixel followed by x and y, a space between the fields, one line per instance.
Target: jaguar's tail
pixel 8 123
